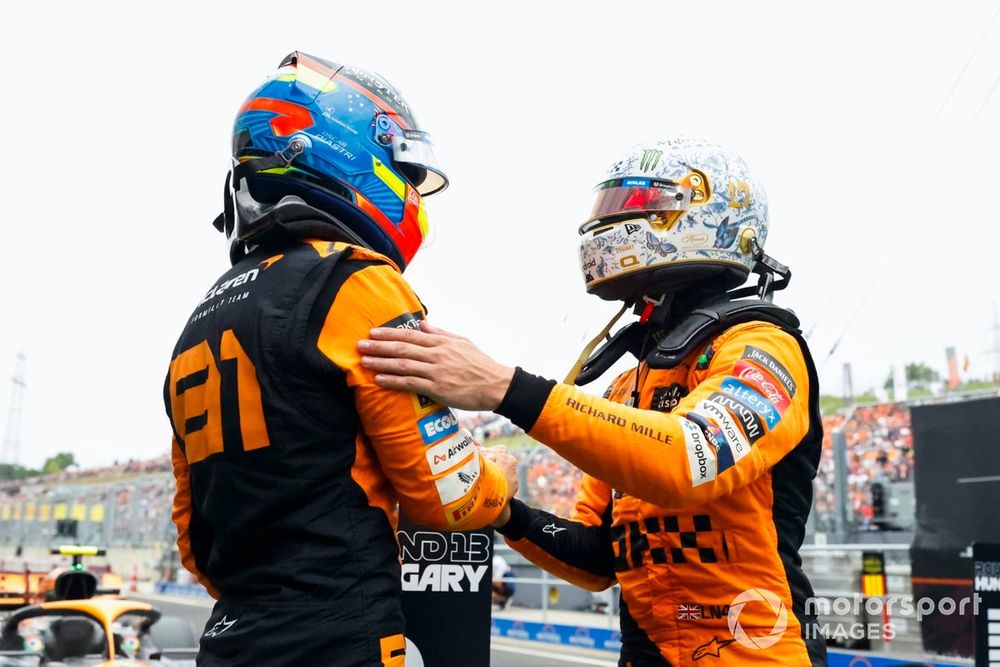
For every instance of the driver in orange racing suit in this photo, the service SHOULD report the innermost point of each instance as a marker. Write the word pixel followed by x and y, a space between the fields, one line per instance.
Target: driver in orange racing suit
pixel 290 461
pixel 699 462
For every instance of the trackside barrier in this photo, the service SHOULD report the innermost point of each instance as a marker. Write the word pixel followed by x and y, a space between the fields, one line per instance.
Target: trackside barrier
pixel 554 633
pixel 611 640
pixel 186 590
pixel 841 658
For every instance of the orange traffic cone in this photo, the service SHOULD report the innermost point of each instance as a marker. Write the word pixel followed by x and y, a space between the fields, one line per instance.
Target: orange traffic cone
pixel 134 583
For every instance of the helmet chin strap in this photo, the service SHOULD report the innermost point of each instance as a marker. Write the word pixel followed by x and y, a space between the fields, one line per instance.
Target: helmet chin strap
pixel 654 311
pixel 772 275
pixel 589 348
pixel 241 171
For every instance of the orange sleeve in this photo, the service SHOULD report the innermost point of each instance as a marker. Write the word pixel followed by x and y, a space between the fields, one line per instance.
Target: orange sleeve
pixel 431 461
pixel 751 408
pixel 182 516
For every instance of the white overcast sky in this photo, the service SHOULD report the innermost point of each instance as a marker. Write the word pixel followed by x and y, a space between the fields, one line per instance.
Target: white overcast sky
pixel 882 172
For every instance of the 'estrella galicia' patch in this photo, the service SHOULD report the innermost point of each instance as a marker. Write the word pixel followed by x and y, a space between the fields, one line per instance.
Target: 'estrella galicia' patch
pixel 404 321
pixel 666 398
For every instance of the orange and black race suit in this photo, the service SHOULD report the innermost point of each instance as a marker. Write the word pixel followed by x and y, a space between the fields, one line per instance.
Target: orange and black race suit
pixel 290 461
pixel 695 500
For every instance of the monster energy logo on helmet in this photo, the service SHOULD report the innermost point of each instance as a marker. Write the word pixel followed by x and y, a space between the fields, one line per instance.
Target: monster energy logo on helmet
pixel 650 158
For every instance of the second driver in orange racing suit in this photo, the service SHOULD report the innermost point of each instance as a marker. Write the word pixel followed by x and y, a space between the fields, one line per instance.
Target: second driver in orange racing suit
pixel 699 462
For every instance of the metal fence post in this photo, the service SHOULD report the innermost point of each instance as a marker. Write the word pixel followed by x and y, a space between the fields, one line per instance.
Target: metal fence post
pixel 110 498
pixel 840 473
pixel 545 596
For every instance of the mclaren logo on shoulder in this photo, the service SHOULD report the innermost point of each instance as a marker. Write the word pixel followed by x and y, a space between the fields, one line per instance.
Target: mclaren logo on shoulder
pixel 650 158
pixel 270 261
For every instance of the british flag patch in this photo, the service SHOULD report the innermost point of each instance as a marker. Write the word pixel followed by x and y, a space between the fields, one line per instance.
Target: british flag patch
pixel 689 612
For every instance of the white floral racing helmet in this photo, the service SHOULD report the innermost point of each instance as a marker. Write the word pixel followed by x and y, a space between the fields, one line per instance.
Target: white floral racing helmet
pixel 671 215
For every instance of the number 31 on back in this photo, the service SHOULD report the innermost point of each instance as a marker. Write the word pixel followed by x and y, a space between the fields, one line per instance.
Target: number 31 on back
pixel 197 401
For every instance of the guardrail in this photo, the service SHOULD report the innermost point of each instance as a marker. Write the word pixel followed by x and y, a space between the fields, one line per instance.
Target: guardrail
pixel 546 582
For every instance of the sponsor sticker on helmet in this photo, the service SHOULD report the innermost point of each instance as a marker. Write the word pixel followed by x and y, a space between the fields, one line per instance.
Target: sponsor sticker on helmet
pixel 437 426
pixel 721 417
pixel 701 459
pixel 449 453
pixel 757 403
pixel 650 158
pixel 772 365
pixel 636 183
pixel 457 484
pixel 752 375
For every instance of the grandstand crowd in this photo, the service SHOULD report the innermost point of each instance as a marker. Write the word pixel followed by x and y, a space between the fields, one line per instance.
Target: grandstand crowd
pixel 129 503
pixel 879 443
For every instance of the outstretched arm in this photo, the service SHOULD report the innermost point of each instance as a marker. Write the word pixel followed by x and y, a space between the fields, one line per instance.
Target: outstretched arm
pixel 748 411
pixel 436 363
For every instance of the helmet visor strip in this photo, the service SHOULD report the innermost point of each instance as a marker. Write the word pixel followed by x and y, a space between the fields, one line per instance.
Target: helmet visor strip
pixel 632 196
pixel 414 148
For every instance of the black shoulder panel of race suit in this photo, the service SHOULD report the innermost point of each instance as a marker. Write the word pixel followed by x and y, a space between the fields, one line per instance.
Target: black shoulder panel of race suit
pixel 791 483
pixel 710 320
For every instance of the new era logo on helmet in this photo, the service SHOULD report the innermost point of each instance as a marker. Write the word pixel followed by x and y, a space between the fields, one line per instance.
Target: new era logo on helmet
pixel 650 158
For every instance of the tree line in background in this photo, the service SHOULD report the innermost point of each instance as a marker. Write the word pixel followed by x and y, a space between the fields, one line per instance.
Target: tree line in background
pixel 57 463
pixel 920 378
